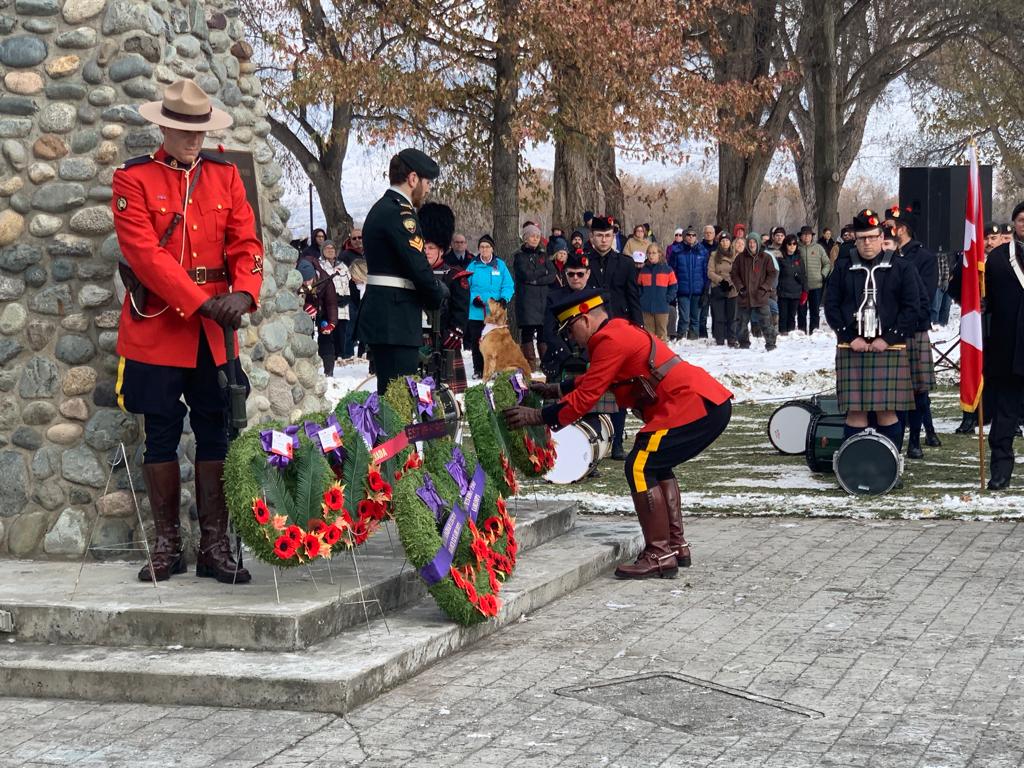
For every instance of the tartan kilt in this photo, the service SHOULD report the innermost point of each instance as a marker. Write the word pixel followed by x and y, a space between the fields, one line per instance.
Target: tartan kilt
pixel 922 368
pixel 873 381
pixel 456 369
pixel 606 404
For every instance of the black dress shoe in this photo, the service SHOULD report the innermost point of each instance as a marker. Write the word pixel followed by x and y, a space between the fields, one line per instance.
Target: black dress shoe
pixel 999 482
pixel 932 440
pixel 967 424
pixel 915 452
pixel 617 453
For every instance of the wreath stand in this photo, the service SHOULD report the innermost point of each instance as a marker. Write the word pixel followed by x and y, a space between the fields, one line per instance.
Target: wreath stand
pixel 944 362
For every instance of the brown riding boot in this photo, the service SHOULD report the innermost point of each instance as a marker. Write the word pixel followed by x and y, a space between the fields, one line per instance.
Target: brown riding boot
pixel 215 559
pixel 657 559
pixel 163 486
pixel 676 540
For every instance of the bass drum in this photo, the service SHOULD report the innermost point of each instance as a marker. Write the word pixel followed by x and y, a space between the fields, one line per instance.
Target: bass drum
pixel 788 425
pixel 824 436
pixel 868 464
pixel 826 403
pixel 579 447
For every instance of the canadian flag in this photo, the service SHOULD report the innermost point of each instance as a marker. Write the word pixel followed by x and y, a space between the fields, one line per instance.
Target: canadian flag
pixel 971 379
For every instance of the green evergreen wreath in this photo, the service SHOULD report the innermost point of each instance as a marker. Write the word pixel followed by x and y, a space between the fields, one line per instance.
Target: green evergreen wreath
pixel 487 426
pixel 486 553
pixel 532 449
pixel 287 516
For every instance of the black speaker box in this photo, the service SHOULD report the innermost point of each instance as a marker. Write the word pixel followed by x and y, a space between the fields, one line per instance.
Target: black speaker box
pixel 939 195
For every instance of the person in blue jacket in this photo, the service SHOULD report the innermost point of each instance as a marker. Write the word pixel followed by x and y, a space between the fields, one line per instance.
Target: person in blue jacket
pixel 657 291
pixel 489 278
pixel 692 277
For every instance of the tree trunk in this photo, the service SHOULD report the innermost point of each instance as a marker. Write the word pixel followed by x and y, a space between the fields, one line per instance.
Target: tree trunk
pixel 608 179
pixel 823 87
pixel 740 179
pixel 574 184
pixel 504 148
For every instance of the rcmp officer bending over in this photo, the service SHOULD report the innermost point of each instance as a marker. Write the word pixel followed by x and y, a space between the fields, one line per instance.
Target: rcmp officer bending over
pixel 872 302
pixel 683 408
pixel 400 284
pixel 192 264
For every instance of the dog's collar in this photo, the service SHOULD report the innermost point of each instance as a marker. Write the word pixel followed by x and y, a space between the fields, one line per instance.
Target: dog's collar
pixel 488 327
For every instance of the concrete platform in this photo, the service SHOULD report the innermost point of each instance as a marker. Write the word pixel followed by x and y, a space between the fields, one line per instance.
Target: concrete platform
pixel 335 675
pixel 113 608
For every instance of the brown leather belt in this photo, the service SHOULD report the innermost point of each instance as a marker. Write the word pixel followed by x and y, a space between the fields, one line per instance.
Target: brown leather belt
pixel 202 275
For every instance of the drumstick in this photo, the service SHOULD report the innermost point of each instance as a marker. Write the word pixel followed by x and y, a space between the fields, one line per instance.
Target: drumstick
pixel 844 345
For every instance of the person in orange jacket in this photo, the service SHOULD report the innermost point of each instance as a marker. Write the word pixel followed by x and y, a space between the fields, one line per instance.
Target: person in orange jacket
pixel 684 410
pixel 193 266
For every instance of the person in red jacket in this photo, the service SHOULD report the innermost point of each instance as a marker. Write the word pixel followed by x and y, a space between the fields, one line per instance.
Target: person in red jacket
pixel 684 410
pixel 193 264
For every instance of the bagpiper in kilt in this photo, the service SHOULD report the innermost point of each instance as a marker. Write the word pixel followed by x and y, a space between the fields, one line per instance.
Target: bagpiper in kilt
pixel 926 266
pixel 872 303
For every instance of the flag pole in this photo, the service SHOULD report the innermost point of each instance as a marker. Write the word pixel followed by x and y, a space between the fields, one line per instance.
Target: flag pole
pixel 981 442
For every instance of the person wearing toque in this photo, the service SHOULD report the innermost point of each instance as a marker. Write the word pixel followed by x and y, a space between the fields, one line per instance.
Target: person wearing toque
pixel 192 264
pixel 400 284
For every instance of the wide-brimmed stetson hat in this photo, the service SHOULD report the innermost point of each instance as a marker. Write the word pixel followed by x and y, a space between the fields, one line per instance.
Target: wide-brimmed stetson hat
pixel 186 107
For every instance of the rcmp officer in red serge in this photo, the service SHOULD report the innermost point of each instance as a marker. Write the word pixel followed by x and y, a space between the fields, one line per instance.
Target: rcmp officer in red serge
pixel 873 303
pixel 193 265
pixel 400 283
pixel 683 408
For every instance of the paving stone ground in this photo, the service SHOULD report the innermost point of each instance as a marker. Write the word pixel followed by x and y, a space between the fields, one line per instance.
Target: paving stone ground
pixel 908 636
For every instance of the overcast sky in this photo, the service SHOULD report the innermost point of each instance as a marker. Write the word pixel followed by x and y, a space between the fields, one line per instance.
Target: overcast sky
pixel 365 169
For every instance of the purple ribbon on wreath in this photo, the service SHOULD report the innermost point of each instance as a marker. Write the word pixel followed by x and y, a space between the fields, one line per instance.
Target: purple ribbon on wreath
pixel 429 495
pixel 334 455
pixel 364 419
pixel 421 407
pixel 518 386
pixel 489 396
pixel 267 441
pixel 457 469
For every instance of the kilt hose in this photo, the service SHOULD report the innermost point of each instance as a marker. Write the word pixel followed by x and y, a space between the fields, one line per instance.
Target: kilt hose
pixel 922 369
pixel 655 454
pixel 873 381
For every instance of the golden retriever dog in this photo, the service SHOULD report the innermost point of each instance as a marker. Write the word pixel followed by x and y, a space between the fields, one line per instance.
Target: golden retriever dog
pixel 499 350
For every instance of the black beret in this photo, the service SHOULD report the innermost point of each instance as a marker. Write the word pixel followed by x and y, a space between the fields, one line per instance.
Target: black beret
pixel 1007 229
pixel 1017 210
pixel 420 162
pixel 602 224
pixel 577 260
pixel 865 220
pixel 993 229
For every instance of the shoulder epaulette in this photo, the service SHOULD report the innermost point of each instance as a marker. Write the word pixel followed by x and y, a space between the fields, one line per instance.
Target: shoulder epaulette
pixel 215 157
pixel 140 160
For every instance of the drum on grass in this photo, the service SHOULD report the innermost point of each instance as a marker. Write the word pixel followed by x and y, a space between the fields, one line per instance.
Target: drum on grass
pixel 824 436
pixel 867 464
pixel 579 447
pixel 787 426
pixel 826 403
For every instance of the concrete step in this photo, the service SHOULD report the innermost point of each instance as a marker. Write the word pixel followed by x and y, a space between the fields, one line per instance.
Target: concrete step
pixel 336 675
pixel 111 607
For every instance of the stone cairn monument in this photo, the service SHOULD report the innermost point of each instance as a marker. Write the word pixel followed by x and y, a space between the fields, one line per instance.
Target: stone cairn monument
pixel 74 72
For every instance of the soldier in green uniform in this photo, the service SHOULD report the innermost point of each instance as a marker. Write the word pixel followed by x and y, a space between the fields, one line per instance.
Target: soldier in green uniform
pixel 400 283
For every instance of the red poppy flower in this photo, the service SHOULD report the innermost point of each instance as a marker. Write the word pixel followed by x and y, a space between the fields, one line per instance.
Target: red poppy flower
pixel 369 509
pixel 316 526
pixel 347 518
pixel 386 490
pixel 480 549
pixel 375 481
pixel 398 475
pixel 492 581
pixel 334 498
pixel 260 511
pixel 489 605
pixel 493 525
pixel 294 533
pixel 284 548
pixel 502 509
pixel 456 577
pixel 470 591
pixel 360 532
pixel 312 545
pixel 331 535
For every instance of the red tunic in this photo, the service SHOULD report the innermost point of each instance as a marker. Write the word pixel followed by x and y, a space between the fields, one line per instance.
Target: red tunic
pixel 217 232
pixel 619 351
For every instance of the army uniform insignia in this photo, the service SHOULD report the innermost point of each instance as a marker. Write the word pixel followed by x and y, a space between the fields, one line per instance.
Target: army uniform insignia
pixel 122 203
pixel 257 264
pixel 416 242
pixel 410 224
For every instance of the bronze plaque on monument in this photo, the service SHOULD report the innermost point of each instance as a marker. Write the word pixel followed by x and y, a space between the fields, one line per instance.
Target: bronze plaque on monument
pixel 247 170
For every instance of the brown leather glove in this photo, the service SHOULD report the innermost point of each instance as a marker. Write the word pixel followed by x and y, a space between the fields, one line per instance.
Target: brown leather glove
pixel 521 416
pixel 547 391
pixel 230 307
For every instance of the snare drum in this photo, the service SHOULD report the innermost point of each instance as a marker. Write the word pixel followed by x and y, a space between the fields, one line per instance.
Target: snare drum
pixel 824 436
pixel 579 447
pixel 868 464
pixel 788 425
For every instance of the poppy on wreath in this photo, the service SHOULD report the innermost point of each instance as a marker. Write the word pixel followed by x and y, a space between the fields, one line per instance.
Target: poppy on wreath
pixel 260 511
pixel 334 498
pixel 285 548
pixel 312 545
pixel 332 534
